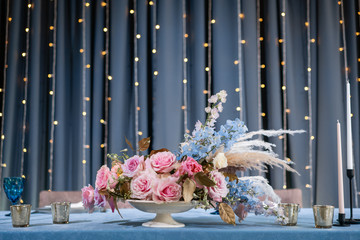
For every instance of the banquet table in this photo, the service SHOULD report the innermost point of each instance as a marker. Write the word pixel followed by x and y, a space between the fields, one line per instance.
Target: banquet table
pixel 200 224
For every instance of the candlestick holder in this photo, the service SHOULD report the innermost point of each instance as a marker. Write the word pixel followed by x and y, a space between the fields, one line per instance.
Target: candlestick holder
pixel 351 220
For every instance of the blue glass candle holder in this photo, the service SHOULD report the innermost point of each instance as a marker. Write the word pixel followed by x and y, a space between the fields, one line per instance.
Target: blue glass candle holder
pixel 13 188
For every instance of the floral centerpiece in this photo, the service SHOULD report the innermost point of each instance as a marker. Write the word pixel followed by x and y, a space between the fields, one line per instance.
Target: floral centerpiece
pixel 204 170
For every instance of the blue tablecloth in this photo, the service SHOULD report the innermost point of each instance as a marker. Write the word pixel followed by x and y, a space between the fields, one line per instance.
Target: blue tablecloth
pixel 200 224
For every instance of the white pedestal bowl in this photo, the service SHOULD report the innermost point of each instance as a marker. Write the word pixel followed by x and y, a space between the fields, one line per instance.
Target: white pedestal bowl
pixel 163 212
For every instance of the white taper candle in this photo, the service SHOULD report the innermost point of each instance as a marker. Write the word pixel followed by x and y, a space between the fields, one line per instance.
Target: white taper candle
pixel 349 150
pixel 340 172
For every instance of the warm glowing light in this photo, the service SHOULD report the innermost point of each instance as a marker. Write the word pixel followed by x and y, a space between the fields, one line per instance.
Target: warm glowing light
pixel 156 73
pixel 23 101
pixel 23 54
pixel 24 150
pixel 136 83
pixel 243 41
pixel 81 50
pixel 358 79
pixel 205 91
pixel 306 117
pixel 109 77
pixel 261 20
pixel 103 53
pixel 262 65
pixel 56 122
pixel 309 69
pixel 103 4
pixel 207 69
pixel 3 165
pixel 138 108
pixel 306 24
pixel 186 35
pixel 237 89
pixel 87 99
pixel 183 107
pixel 105 29
pixel 284 187
pixel 1 89
pixel 109 99
pixel 138 36
pixel 288 110
pixel 281 41
pixel 51 44
pixel 341 21
pixel 236 62
pixel 154 50
pixel 238 109
pixel 312 138
pixel 151 3
pixel 206 44
pixel 87 4
pixel 1 114
pixel 283 88
pixel 26 29
pixel 185 81
pixel 307 167
pixel 357 33
pixel 102 145
pixel 25 79
pixel 80 20
pixel 84 113
pixel 140 133
pixel 29 5
pixel 261 39
pixel 262 85
pixel 283 14
pixel 339 2
pixel 84 161
pixel 87 65
pixel 308 186
pixel 306 88
pixel 49 75
pixel 351 115
pixel 186 60
pixel 157 26
pixel 263 114
pixel 10 19
pixel 51 92
pixel 132 11
pixel 213 21
pixel 241 15
pixel 2 137
pixel 136 59
pixel 341 49
pixel 312 40
pixel 87 146
pixel 282 63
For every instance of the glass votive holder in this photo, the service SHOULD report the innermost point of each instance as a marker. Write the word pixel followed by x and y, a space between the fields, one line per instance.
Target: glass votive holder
pixel 291 212
pixel 60 212
pixel 20 215
pixel 323 215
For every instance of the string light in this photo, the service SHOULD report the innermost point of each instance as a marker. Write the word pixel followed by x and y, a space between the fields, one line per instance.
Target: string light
pixel 110 78
pixel 157 26
pixel 136 80
pixel 208 55
pixel 185 68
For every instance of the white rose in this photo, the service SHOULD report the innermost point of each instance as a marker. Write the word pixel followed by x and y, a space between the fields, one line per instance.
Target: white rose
pixel 220 161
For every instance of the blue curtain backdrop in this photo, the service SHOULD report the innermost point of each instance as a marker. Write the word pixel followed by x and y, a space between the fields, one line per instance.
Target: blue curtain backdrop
pixel 161 97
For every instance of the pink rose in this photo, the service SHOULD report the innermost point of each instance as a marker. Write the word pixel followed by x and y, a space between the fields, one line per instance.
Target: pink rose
pixel 162 162
pixel 100 200
pixel 113 180
pixel 133 165
pixel 87 194
pixel 220 190
pixel 189 166
pixel 102 177
pixel 166 190
pixel 117 169
pixel 141 186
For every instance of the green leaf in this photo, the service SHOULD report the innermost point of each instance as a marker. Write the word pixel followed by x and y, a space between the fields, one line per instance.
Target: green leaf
pixel 189 187
pixel 226 213
pixel 129 143
pixel 203 180
pixel 144 144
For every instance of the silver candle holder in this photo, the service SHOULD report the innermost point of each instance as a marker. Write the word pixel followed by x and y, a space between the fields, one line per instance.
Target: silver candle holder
pixel 60 212
pixel 291 212
pixel 323 215
pixel 20 215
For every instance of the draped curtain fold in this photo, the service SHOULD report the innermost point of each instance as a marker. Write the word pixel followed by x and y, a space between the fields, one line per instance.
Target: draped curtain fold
pixel 161 96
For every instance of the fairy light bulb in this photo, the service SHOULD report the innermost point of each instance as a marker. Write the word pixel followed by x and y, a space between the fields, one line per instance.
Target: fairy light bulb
pixel 105 29
pixel 154 50
pixel 157 27
pixel 138 36
pixel 132 11
pixel 237 89
pixel 156 73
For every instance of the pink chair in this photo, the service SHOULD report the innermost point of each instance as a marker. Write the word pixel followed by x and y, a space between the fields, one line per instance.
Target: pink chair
pixel 293 195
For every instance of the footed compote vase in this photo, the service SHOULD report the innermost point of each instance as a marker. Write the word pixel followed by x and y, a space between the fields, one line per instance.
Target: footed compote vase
pixel 163 218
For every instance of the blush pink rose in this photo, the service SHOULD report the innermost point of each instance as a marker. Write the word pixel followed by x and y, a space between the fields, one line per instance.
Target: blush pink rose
pixel 166 190
pixel 133 165
pixel 100 200
pixel 162 162
pixel 141 186
pixel 117 169
pixel 189 166
pixel 220 190
pixel 102 178
pixel 87 195
pixel 113 180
